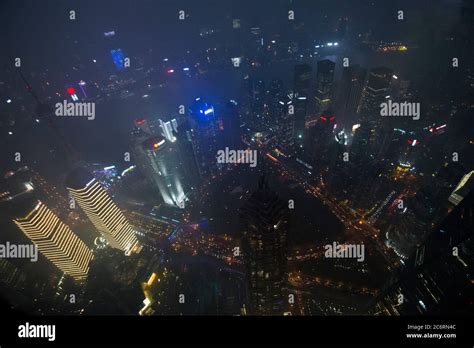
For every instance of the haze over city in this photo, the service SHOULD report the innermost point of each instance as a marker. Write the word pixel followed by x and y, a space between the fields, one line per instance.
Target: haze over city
pixel 236 158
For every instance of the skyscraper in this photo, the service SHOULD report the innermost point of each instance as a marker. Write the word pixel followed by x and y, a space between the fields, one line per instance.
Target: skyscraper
pixel 230 125
pixel 302 91
pixel 353 79
pixel 302 80
pixel 437 278
pixel 285 122
pixel 324 84
pixel 55 240
pixel 102 211
pixel 264 242
pixel 320 138
pixel 204 135
pixel 374 93
pixel 159 160
pixel 186 153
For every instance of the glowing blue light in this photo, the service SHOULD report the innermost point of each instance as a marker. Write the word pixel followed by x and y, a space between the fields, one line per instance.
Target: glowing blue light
pixel 118 58
pixel 185 69
pixel 335 44
pixel 208 111
pixel 329 43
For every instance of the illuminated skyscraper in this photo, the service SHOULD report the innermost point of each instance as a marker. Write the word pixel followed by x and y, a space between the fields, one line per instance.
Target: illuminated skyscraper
pixel 264 242
pixel 285 122
pixel 159 160
pixel 55 240
pixel 374 93
pixel 162 165
pixel 204 135
pixel 102 211
pixel 324 84
pixel 302 86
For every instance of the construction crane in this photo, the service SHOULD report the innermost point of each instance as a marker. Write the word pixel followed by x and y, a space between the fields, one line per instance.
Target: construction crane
pixel 45 112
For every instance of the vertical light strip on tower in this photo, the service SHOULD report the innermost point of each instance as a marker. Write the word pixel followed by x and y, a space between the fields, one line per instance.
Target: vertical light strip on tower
pixel 106 216
pixel 56 241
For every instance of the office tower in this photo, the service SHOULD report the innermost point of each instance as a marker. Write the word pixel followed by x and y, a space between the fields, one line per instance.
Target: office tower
pixel 187 155
pixel 374 93
pixel 324 84
pixel 321 136
pixel 102 211
pixel 54 239
pixel 158 158
pixel 264 244
pixel 437 277
pixel 204 136
pixel 279 122
pixel 352 84
pixel 275 95
pixel 255 101
pixel 229 126
pixel 285 124
pixel 302 80
pixel 302 92
pixel 176 173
